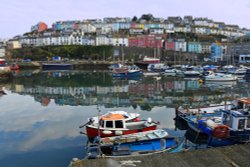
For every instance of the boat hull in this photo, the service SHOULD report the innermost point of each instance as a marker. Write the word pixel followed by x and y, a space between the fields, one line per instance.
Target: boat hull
pixel 57 66
pixel 130 149
pixel 130 74
pixel 93 132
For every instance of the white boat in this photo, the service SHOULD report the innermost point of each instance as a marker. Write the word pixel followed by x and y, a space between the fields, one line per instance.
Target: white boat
pixel 113 66
pixel 170 72
pixel 241 71
pixel 148 74
pixel 157 67
pixel 184 111
pixel 191 71
pixel 220 77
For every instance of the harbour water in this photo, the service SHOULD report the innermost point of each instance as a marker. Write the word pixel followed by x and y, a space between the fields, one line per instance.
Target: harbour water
pixel 41 111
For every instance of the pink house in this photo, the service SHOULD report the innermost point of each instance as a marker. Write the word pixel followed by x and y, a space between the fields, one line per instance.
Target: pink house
pixel 170 45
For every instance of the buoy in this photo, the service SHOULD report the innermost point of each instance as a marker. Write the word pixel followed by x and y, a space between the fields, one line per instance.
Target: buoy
pixel 118 132
pixel 107 132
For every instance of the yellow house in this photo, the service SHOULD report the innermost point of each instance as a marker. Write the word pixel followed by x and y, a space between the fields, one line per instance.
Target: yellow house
pixel 14 44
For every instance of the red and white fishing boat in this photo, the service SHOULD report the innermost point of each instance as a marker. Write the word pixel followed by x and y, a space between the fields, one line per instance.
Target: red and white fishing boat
pixel 3 66
pixel 150 60
pixel 116 123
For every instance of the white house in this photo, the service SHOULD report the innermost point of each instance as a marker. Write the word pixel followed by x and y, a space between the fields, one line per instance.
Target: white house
pixel 103 40
pixel 87 28
pixel 2 52
pixel 200 30
pixel 156 31
pixel 181 45
pixel 244 58
pixel 120 42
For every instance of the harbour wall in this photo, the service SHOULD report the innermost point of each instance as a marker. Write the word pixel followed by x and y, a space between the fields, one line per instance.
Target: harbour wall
pixel 229 156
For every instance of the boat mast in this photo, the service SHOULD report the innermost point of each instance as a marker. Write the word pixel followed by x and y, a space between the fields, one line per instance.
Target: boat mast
pixel 99 132
pixel 122 55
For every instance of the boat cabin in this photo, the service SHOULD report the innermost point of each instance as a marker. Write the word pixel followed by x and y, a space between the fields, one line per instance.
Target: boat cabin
pixel 112 121
pixel 238 118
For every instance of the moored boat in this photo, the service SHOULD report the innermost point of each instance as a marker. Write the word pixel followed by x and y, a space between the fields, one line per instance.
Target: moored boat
pixel 233 124
pixel 116 123
pixel 157 67
pixel 138 144
pixel 132 71
pixel 150 60
pixel 220 77
pixel 212 109
pixel 146 61
pixel 56 66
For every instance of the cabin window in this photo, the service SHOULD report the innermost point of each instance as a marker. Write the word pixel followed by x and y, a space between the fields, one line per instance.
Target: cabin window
pixel 227 120
pixel 101 123
pixel 240 105
pixel 248 122
pixel 109 124
pixel 241 124
pixel 118 124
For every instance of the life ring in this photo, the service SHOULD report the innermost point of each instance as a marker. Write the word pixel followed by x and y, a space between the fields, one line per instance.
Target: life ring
pixel 221 131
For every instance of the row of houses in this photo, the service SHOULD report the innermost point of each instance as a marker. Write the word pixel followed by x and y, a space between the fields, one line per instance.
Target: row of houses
pixel 157 26
pixel 156 33
pixel 216 50
pixel 122 31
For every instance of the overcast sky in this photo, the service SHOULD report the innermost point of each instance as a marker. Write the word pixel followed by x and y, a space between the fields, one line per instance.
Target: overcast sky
pixel 17 16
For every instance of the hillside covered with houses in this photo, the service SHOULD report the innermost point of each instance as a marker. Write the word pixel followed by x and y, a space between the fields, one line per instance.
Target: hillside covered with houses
pixel 186 35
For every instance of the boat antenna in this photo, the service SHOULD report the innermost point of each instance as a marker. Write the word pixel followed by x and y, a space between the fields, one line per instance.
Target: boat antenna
pixel 98 115
pixel 99 132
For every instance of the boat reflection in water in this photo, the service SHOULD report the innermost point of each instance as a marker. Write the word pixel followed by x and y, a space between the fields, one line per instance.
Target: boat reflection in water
pixel 215 84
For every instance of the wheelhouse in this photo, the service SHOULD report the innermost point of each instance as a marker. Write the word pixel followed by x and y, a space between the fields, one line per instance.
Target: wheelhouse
pixel 238 118
pixel 112 121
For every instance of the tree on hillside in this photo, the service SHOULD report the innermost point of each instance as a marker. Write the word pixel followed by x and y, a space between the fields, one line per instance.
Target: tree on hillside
pixel 134 19
pixel 147 17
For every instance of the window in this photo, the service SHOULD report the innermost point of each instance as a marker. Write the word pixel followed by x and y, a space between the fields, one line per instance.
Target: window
pixel 118 124
pixel 109 124
pixel 241 124
pixel 227 120
pixel 248 123
pixel 101 123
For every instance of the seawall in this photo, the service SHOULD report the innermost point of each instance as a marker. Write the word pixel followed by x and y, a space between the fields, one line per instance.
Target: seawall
pixel 229 156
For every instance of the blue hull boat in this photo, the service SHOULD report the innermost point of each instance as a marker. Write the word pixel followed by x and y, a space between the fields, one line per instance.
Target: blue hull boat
pixel 47 67
pixel 132 71
pixel 231 127
pixel 129 74
pixel 142 143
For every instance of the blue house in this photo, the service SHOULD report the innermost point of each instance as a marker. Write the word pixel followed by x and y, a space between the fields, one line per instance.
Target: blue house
pixel 216 52
pixel 194 47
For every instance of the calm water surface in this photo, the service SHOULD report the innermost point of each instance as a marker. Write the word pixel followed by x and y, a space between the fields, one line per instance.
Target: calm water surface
pixel 41 111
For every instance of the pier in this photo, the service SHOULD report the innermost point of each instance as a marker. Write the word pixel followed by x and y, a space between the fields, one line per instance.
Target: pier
pixel 229 156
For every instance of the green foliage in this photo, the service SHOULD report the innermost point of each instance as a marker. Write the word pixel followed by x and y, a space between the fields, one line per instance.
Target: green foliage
pixel 134 19
pixel 147 17
pixel 67 80
pixel 66 51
